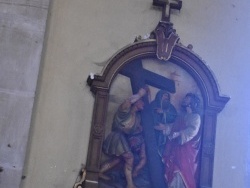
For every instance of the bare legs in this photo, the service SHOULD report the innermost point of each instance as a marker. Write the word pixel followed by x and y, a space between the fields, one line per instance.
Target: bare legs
pixel 128 168
pixel 107 166
pixel 142 161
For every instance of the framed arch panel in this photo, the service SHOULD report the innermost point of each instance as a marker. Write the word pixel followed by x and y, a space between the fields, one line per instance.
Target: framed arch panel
pixel 158 63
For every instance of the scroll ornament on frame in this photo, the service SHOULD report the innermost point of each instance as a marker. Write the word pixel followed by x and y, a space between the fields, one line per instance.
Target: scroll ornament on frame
pixel 166 39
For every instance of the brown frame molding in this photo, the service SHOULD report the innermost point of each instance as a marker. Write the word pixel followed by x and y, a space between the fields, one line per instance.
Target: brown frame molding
pixel 185 58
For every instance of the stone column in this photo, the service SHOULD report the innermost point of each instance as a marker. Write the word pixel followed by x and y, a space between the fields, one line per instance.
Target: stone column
pixel 22 29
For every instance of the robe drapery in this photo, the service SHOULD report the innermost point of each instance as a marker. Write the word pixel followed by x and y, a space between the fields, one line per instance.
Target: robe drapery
pixel 180 156
pixel 167 117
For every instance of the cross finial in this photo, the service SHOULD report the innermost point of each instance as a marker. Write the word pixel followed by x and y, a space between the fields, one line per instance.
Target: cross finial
pixel 167 5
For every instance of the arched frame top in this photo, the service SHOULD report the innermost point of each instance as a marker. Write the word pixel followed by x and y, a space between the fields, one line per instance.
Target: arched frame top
pixel 181 56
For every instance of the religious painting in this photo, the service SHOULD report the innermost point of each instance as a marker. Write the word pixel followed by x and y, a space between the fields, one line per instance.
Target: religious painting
pixel 152 135
pixel 154 117
pixel 154 120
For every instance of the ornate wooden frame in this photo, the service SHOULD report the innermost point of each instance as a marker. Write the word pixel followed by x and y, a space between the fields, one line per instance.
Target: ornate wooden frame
pixel 185 58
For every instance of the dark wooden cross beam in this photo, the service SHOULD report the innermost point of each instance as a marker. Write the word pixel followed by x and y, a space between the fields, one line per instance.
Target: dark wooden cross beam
pixel 167 6
pixel 139 77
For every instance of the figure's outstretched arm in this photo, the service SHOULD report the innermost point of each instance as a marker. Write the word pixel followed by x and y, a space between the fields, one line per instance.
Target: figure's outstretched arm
pixel 137 96
pixel 131 100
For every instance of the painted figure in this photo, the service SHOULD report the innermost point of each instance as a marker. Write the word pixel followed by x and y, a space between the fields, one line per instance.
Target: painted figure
pixel 126 139
pixel 180 156
pixel 164 115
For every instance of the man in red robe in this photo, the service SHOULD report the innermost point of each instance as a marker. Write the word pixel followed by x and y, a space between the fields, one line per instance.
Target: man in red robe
pixel 180 156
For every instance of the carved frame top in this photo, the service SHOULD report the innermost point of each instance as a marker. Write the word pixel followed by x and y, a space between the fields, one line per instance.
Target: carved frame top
pixel 180 55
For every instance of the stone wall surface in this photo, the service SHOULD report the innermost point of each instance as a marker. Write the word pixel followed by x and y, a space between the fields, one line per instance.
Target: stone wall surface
pixel 22 29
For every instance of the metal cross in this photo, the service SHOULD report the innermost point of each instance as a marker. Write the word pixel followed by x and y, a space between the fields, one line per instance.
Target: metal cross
pixel 167 6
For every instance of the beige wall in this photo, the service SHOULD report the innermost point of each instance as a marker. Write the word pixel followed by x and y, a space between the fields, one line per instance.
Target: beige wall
pixel 82 35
